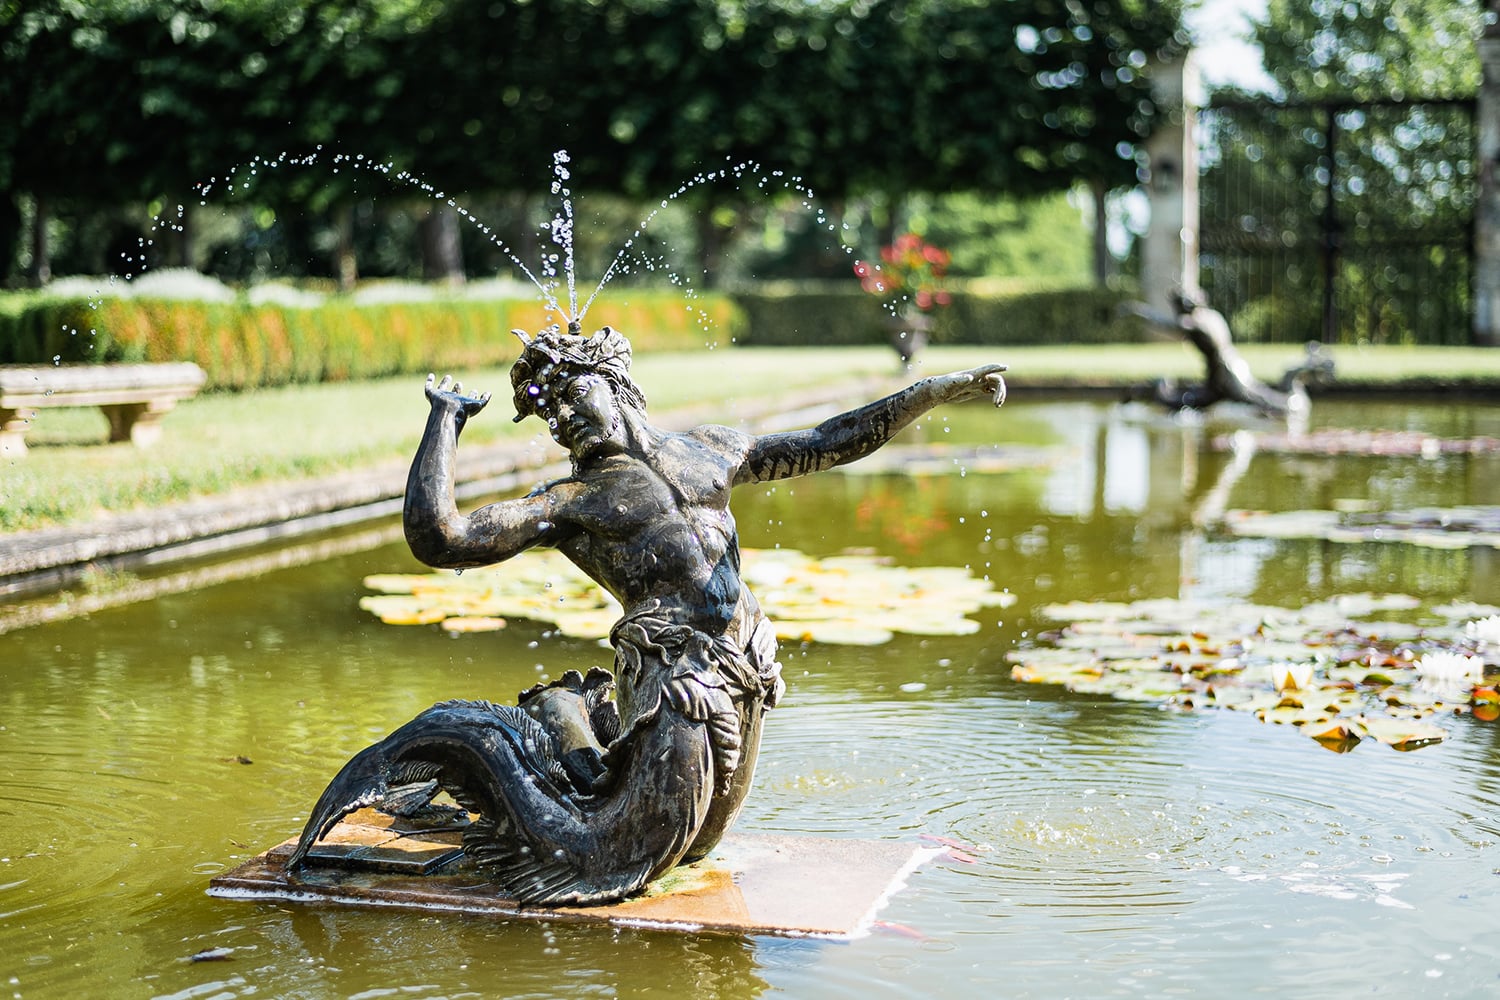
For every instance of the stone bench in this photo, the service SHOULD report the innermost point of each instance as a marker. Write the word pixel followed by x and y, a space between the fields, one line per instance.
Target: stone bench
pixel 133 396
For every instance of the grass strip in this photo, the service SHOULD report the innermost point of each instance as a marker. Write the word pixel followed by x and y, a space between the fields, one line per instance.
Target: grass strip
pixel 220 441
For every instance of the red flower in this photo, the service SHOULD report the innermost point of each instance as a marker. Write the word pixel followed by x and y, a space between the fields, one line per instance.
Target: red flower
pixel 912 269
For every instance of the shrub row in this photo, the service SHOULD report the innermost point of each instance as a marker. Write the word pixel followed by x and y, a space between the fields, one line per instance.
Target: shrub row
pixel 792 316
pixel 243 346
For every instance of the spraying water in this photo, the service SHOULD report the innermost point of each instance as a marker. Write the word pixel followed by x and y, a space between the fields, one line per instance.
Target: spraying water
pixel 558 265
pixel 562 229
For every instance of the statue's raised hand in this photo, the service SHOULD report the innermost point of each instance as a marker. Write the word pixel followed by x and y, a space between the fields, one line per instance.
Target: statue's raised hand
pixel 449 395
pixel 986 380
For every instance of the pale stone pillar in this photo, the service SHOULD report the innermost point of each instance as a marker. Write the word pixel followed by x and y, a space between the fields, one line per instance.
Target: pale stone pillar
pixel 1169 250
pixel 1486 307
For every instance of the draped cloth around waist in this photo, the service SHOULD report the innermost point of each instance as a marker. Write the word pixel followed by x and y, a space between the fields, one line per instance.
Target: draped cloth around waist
pixel 714 679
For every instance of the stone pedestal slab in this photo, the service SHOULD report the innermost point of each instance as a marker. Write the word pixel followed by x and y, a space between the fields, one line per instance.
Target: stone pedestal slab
pixel 752 884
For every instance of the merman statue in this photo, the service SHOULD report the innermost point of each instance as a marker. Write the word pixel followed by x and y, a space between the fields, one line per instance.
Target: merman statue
pixel 591 787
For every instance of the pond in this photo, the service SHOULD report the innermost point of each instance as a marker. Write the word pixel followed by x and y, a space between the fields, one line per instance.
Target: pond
pixel 1108 848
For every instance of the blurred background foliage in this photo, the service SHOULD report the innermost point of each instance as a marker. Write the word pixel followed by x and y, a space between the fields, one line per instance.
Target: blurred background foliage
pixel 961 111
pixel 1345 210
pixel 140 134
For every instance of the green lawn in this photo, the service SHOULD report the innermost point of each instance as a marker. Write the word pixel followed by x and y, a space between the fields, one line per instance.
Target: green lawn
pixel 217 442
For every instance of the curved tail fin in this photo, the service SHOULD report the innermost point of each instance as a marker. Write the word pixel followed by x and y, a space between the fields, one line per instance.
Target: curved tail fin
pixel 364 781
pixel 450 743
pixel 540 835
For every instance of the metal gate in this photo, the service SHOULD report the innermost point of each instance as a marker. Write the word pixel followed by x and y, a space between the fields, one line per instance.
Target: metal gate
pixel 1340 222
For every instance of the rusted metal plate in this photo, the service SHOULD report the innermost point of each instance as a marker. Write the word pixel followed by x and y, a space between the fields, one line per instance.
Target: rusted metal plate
pixel 752 884
pixel 383 844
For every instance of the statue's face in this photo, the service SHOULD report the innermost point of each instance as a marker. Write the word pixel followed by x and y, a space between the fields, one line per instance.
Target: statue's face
pixel 583 416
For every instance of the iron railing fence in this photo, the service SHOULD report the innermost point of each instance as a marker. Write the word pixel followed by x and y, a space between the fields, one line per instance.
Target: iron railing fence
pixel 1345 222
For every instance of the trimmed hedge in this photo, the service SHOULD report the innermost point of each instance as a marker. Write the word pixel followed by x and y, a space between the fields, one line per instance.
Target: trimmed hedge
pixel 805 315
pixel 243 346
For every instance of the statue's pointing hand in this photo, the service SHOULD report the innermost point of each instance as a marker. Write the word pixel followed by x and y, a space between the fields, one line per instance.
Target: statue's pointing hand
pixel 449 395
pixel 986 380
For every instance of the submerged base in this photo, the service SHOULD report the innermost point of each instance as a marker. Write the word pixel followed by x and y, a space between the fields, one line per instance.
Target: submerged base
pixel 752 883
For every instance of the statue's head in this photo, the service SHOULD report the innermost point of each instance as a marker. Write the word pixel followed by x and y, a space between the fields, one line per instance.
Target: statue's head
pixel 552 359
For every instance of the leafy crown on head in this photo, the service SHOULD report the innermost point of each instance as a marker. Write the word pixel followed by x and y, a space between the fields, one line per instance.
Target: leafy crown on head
pixel 553 357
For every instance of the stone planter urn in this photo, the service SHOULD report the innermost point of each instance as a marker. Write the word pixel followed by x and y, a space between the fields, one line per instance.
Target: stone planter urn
pixel 908 333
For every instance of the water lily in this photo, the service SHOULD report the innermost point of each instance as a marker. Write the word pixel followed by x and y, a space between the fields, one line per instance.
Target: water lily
pixel 1449 676
pixel 1291 676
pixel 1485 631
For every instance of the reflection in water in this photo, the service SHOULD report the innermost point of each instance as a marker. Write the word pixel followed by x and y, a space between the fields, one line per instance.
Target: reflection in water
pixel 483 958
pixel 1114 849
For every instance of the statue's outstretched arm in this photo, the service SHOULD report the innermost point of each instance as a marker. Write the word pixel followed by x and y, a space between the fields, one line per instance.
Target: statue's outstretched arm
pixel 855 434
pixel 436 532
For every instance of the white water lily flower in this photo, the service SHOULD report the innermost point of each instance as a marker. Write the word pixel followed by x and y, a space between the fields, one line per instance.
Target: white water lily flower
pixel 1485 631
pixel 1450 676
pixel 1291 676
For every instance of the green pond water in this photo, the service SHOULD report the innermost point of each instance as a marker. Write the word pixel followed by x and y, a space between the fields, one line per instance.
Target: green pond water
pixel 1117 849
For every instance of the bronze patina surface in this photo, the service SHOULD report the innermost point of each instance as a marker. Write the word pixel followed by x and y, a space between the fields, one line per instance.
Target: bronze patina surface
pixel 1227 375
pixel 592 786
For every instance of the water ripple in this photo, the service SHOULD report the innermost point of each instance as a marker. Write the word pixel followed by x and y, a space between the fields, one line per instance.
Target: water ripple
pixel 1104 810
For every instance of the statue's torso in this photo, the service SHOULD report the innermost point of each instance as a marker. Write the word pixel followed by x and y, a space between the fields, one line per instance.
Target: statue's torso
pixel 658 527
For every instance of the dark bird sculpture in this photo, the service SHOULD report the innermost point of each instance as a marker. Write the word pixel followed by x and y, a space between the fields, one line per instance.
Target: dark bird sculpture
pixel 1227 375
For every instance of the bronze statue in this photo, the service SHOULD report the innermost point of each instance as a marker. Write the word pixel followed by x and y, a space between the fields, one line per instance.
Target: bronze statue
pixel 1227 375
pixel 592 786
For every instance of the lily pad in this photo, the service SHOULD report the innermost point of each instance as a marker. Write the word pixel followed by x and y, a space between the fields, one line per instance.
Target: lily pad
pixel 1403 734
pixel 936 459
pixel 1347 441
pixel 1317 668
pixel 849 599
pixel 1244 699
pixel 402 610
pixel 1429 527
pixel 473 623
pixel 1339 735
pixel 842 633
pixel 1459 610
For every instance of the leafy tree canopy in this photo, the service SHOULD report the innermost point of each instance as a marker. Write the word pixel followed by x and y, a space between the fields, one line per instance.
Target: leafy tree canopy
pixel 119 99
pixel 1365 49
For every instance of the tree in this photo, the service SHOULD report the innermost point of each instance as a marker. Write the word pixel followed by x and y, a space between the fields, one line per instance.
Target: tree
pixel 1372 49
pixel 133 100
pixel 1343 212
